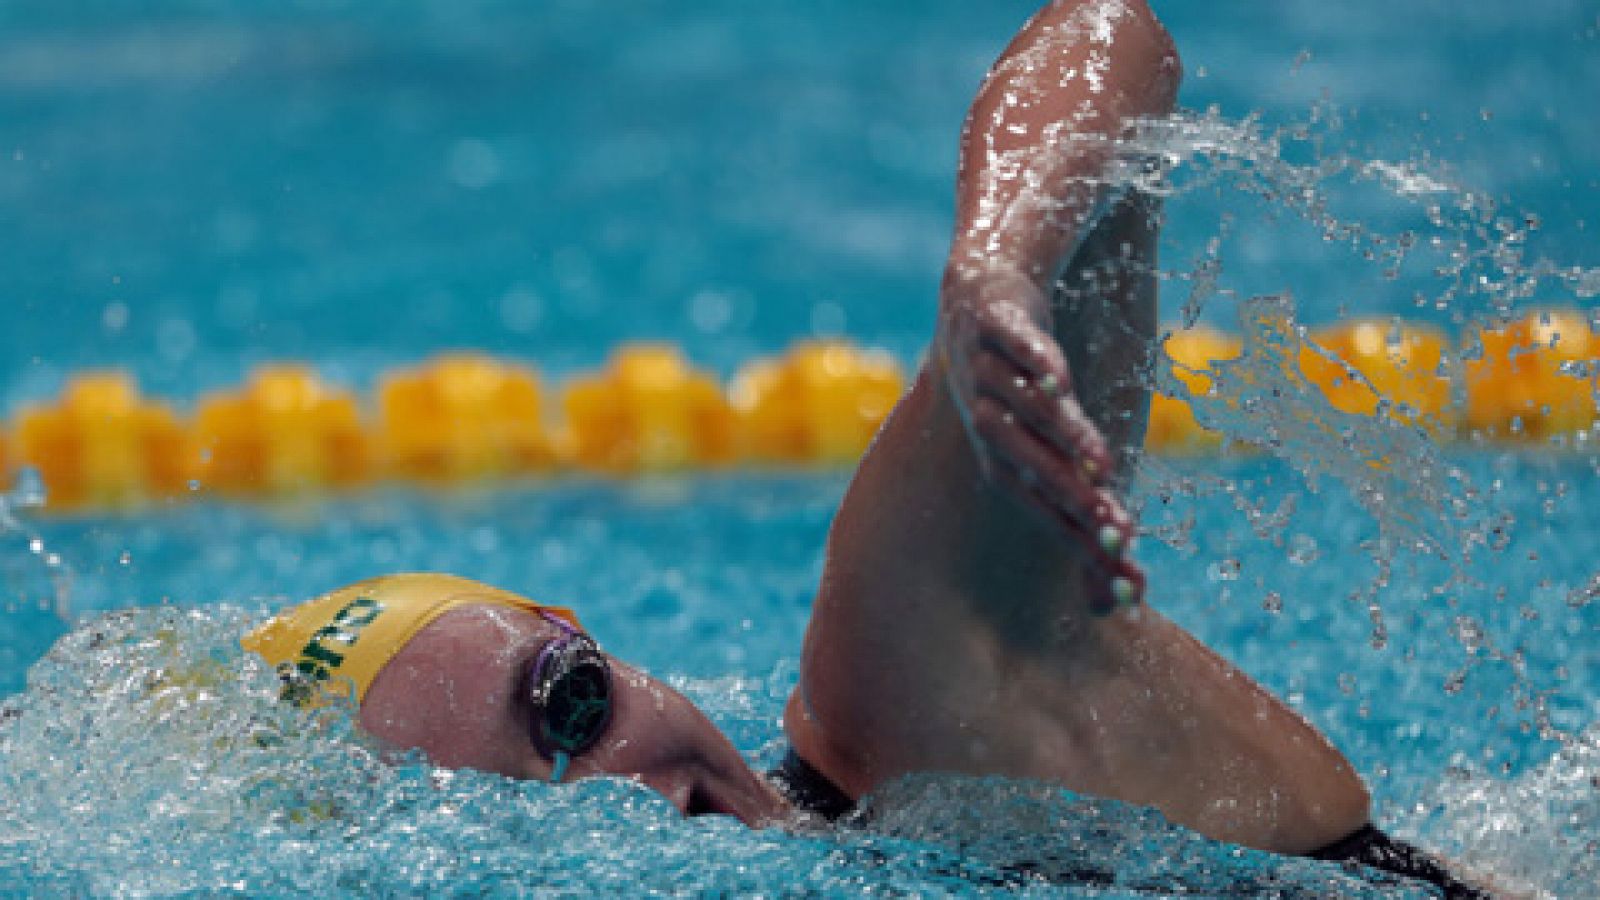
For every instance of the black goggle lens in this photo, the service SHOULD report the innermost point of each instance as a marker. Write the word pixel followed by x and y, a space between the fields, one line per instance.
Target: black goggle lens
pixel 570 692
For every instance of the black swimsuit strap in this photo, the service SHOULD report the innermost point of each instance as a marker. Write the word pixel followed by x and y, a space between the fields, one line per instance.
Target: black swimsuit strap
pixel 809 789
pixel 1369 846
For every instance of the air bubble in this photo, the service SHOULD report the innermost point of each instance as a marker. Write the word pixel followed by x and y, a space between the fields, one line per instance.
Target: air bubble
pixel 1586 594
pixel 1224 570
pixel 1470 633
pixel 1303 550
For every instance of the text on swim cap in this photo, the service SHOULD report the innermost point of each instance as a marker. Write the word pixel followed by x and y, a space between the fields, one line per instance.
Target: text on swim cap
pixel 322 653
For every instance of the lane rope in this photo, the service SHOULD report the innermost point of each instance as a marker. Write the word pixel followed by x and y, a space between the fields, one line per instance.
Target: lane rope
pixel 464 418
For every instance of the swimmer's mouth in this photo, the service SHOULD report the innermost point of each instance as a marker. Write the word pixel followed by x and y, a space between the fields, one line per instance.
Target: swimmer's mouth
pixel 713 796
pixel 709 800
pixel 701 803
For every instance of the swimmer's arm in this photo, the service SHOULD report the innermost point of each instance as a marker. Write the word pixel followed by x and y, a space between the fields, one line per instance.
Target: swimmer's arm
pixel 1067 273
pixel 1040 131
pixel 1060 277
pixel 932 524
pixel 1029 198
pixel 950 631
pixel 932 521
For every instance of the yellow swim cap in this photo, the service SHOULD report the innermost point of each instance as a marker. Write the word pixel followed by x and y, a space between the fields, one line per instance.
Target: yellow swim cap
pixel 353 632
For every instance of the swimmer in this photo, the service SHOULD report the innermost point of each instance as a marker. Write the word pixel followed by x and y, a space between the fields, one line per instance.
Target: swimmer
pixel 979 612
pixel 484 679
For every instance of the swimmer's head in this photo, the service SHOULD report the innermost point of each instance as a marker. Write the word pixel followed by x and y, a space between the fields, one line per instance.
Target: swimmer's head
pixel 477 677
pixel 339 642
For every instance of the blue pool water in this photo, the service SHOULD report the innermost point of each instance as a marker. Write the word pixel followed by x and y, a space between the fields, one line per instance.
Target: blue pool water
pixel 189 188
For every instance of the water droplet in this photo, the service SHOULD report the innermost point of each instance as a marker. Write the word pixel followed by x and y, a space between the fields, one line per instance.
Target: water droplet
pixel 114 317
pixel 827 319
pixel 521 309
pixel 1224 570
pixel 710 311
pixel 28 488
pixel 1303 550
pixel 175 340
pixel 1586 594
pixel 473 164
pixel 1469 632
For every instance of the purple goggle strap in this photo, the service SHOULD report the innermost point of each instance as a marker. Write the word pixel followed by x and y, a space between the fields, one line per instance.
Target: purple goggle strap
pixel 563 759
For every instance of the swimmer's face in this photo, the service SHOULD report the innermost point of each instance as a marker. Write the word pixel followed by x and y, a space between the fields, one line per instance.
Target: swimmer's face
pixel 455 692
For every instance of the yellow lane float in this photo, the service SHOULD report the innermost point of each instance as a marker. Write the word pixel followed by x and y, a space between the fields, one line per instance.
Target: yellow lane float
pixel 821 403
pixel 466 416
pixel 1406 365
pixel 285 433
pixel 102 445
pixel 461 417
pixel 647 411
pixel 1172 427
pixel 1534 378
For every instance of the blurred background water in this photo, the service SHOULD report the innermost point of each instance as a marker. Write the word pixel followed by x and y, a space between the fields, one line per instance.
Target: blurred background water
pixel 187 188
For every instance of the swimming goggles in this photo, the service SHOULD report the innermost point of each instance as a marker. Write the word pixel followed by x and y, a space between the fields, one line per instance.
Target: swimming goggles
pixel 568 687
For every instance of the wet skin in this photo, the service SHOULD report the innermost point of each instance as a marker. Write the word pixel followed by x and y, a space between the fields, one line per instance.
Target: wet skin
pixel 455 692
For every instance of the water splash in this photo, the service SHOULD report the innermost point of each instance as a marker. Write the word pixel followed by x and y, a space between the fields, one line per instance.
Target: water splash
pixel 1412 226
pixel 1458 250
pixel 1474 251
pixel 40 577
pixel 150 756
pixel 1394 469
pixel 1018 835
pixel 1535 832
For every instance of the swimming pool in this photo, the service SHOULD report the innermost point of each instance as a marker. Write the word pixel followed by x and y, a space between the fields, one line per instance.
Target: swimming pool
pixel 197 187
